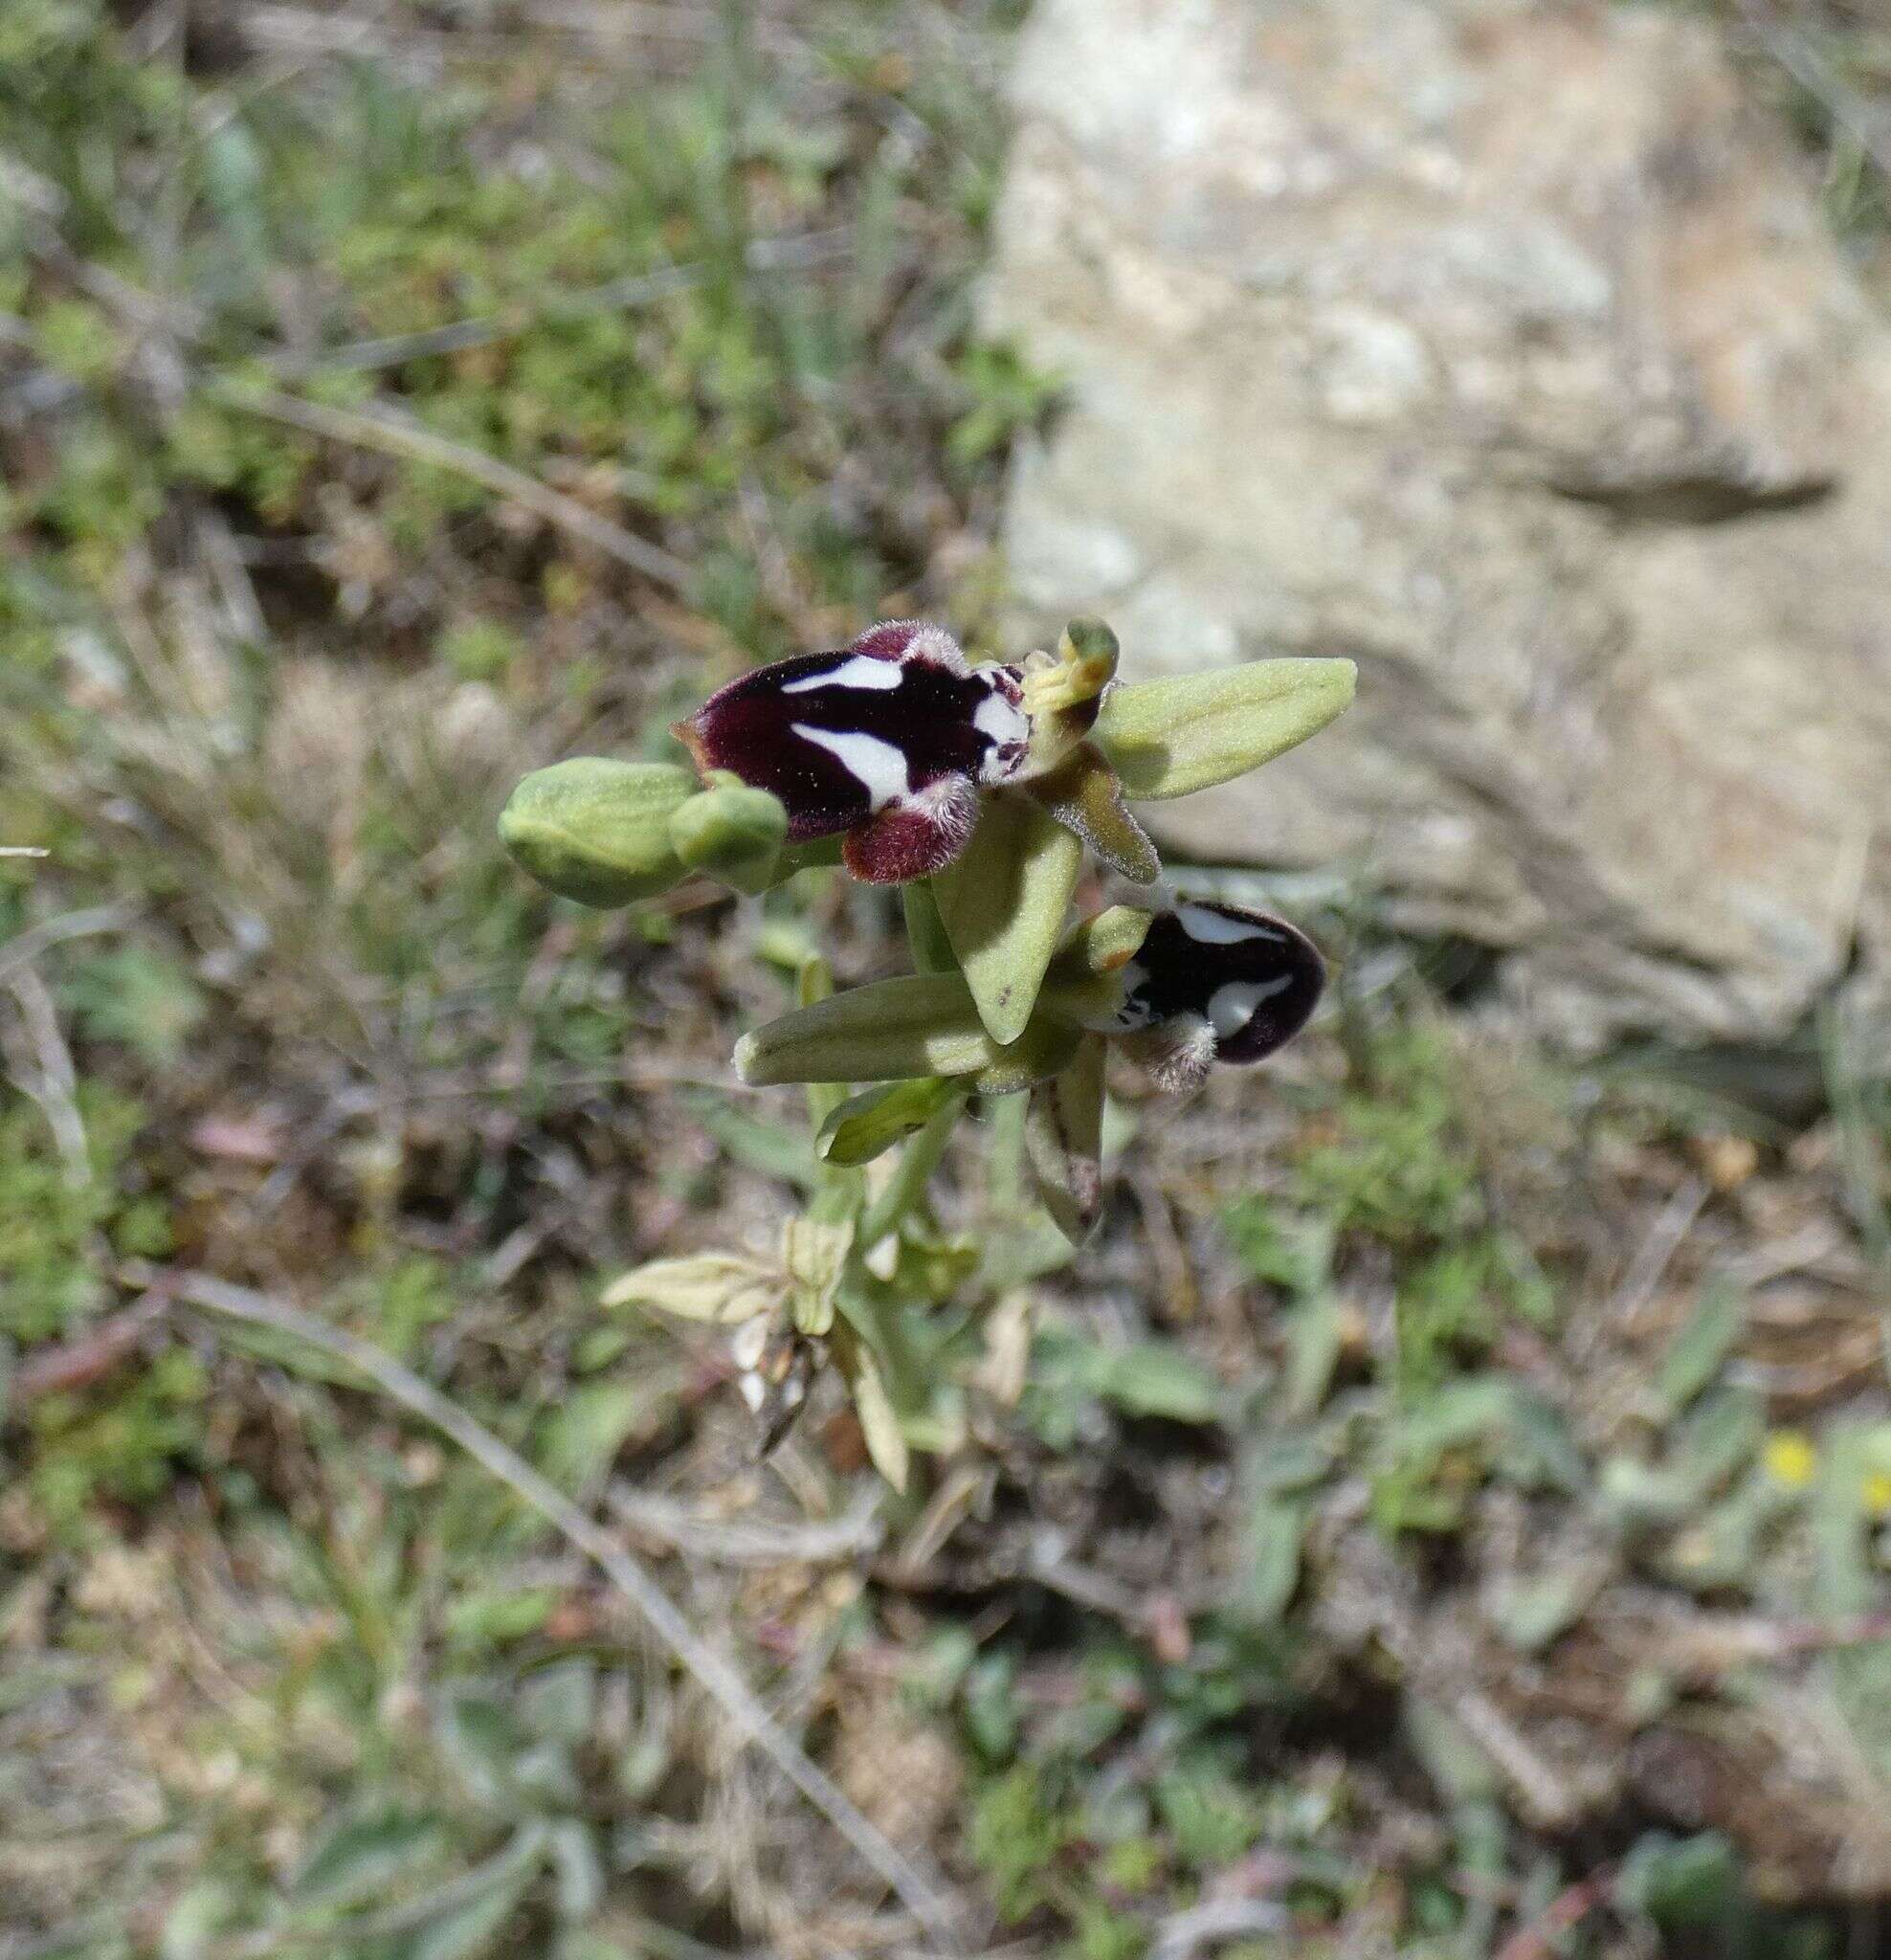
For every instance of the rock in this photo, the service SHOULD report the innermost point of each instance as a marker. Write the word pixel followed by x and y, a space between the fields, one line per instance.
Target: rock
pixel 1500 345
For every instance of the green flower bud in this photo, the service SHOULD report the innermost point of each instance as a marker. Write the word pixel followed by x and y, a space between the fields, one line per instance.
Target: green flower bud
pixel 733 832
pixel 598 831
pixel 925 1024
pixel 815 1255
pixel 1003 900
pixel 1167 738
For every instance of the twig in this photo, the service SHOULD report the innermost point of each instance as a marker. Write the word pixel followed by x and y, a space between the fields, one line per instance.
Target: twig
pixel 793 252
pixel 1182 1935
pixel 1671 1227
pixel 56 1084
pixel 379 430
pixel 736 1542
pixel 1567 1910
pixel 920 1895
pixel 1541 1790
pixel 66 1365
pixel 37 939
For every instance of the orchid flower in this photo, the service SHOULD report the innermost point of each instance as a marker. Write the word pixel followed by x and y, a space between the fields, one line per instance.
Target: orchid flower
pixel 978 789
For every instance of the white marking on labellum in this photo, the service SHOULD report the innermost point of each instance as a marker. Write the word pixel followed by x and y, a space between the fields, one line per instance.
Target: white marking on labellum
pixel 858 670
pixel 1203 922
pixel 1231 1008
pixel 754 1392
pixel 876 765
pixel 1001 719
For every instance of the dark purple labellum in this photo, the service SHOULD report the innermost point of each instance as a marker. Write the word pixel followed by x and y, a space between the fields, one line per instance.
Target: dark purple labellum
pixel 885 740
pixel 1213 975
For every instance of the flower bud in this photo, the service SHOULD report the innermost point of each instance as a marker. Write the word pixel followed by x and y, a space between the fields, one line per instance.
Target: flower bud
pixel 732 833
pixel 1167 738
pixel 598 831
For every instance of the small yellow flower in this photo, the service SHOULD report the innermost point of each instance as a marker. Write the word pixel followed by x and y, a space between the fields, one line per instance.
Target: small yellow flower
pixel 1877 1493
pixel 1790 1459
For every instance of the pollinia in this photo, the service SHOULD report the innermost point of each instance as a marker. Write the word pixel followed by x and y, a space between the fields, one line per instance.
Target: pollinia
pixel 977 790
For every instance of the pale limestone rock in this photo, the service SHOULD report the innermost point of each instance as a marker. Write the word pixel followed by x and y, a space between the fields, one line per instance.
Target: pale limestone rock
pixel 1498 343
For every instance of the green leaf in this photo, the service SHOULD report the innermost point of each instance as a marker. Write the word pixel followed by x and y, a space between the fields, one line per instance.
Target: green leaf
pixel 1003 900
pixel 577 1869
pixel 867 1125
pixel 470 1930
pixel 1706 1340
pixel 770 1147
pixel 925 929
pixel 1688 1881
pixel 1153 1378
pixel 1316 1335
pixel 1272 1561
pixel 596 829
pixel 364 1856
pixel 1167 738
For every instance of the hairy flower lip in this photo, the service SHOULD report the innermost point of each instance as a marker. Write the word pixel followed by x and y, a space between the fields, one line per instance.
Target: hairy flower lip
pixel 884 742
pixel 1216 982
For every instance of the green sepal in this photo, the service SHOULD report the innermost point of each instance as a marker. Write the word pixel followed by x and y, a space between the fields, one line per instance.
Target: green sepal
pixel 873 1122
pixel 733 832
pixel 1167 738
pixel 923 1024
pixel 1003 900
pixel 597 830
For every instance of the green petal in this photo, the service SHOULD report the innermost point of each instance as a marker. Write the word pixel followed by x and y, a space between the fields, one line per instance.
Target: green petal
pixel 598 831
pixel 924 1024
pixel 1166 738
pixel 1086 982
pixel 1086 797
pixel 1003 900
